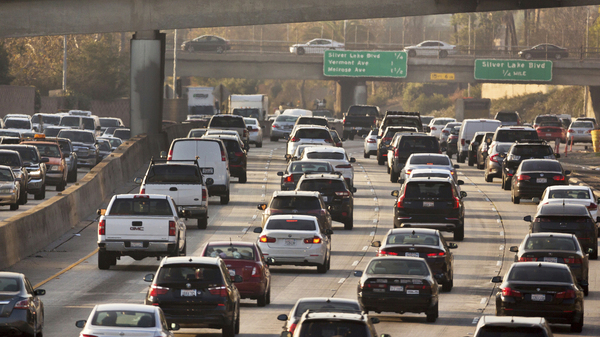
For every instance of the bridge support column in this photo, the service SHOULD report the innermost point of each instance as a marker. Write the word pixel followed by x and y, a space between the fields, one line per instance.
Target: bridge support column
pixel 592 103
pixel 147 77
pixel 349 92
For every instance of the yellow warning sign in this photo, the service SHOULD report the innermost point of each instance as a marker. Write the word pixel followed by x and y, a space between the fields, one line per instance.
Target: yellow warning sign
pixel 442 76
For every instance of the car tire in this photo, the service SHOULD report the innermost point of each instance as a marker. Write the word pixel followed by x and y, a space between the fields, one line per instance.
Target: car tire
pixel 380 160
pixel 412 53
pixel 394 176
pixel 72 175
pixel 459 233
pixel 586 290
pixel 225 199
pixel 516 200
pixel 262 300
pixel 577 327
pixel 42 194
pixel 460 158
pixel 203 222
pixel 488 178
pixel 236 328
pixel 447 286
pixel 14 207
pixel 103 260
pixel 300 51
pixel 269 295
pixel 274 139
pixel 322 268
pixel 229 331
pixel 351 136
pixel 527 56
pixel 244 178
pixel 471 162
pixel 61 186
pixel 506 184
pixel 349 223
pixel 184 250
pixel 443 54
pixel 366 155
pixel 259 145
pixel 557 56
pixel 388 169
pixel 594 254
pixel 433 313
pixel 23 198
pixel 220 50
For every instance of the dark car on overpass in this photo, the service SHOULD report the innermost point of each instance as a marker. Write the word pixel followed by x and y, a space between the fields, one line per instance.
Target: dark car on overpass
pixel 544 51
pixel 207 43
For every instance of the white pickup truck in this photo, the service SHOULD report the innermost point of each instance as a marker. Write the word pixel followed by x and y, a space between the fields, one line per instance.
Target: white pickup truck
pixel 139 226
pixel 182 180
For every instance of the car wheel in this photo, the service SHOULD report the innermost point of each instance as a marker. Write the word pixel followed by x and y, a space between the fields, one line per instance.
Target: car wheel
pixel 300 51
pixel 380 160
pixel 470 162
pixel 72 175
pixel 225 199
pixel 527 56
pixel 269 296
pixel 366 155
pixel 393 176
pixel 244 178
pixel 447 286
pixel 14 207
pixel 507 184
pixel 515 199
pixel 274 139
pixel 262 300
pixel 23 198
pixel 229 331
pixel 220 50
pixel 349 223
pixel 322 268
pixel 103 260
pixel 577 327
pixel 388 169
pixel 443 54
pixel 259 144
pixel 594 254
pixel 433 314
pixel 586 290
pixel 460 158
pixel 459 233
pixel 203 222
pixel 237 323
pixel 412 53
pixel 61 186
pixel 558 56
pixel 488 178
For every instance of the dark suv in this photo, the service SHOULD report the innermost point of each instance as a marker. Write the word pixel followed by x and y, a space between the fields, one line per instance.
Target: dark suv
pixel 508 118
pixel 534 175
pixel 231 122
pixel 520 151
pixel 400 118
pixel 298 202
pixel 430 203
pixel 238 158
pixel 338 197
pixel 408 144
pixel 568 218
pixel 383 144
pixel 196 292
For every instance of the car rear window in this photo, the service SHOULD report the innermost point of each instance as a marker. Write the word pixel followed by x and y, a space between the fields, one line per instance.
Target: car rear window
pixel 510 135
pixel 436 190
pixel 322 185
pixel 295 202
pixel 507 116
pixel 580 124
pixel 363 111
pixel 404 121
pixel 540 119
pixel 227 122
pixel 88 124
pixel 532 150
pixel 552 123
pixel 286 118
pixel 232 145
pixel 332 328
pixel 322 306
pixel 413 239
pixel 123 134
pixel 419 144
pixel 303 166
pixel 429 160
pixel 9 159
pixel 230 252
pixel 541 165
pixel 141 206
pixel 196 133
pixel 72 121
pixel 17 124
pixel 6 175
pixel 314 121
pixel 398 267
pixel 291 224
pixel 124 318
pixel 325 155
pixel 442 121
pixel 550 243
pixel 77 136
pixel 509 331
pixel 174 174
pixel 9 285
pixel 106 122
pixel 569 194
pixel 537 274
pixel 189 273
pixel 313 134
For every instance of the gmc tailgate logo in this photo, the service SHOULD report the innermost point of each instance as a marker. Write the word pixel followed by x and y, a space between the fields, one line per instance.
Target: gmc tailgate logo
pixel 136 229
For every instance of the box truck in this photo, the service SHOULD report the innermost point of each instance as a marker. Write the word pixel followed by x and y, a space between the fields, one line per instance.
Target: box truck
pixel 201 101
pixel 255 106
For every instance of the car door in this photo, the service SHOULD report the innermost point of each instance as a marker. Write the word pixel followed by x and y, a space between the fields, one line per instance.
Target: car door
pixel 200 43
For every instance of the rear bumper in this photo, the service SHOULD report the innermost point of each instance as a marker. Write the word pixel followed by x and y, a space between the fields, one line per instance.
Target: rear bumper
pixel 212 319
pixel 386 303
pixel 91 161
pixel 440 221
pixel 148 249
pixel 16 324
pixel 251 290
pixel 444 227
pixel 552 315
pixel 531 190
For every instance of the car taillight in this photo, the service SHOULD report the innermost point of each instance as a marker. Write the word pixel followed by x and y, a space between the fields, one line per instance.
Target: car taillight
pixel 375 286
pixel 371 141
pixel 559 178
pixel 343 194
pixel 386 139
pixel 344 120
pixel 24 304
pixel 245 133
pixel 294 139
pixel 408 171
pixel 396 153
pixel 445 131
pixel 588 131
pixel 292 328
pixel 508 292
pixel 219 291
pixel 572 260
pixel 157 290
pixel 400 203
pixel 423 288
pixel 223 156
pixel 265 238
pixel 433 128
pixel 462 142
pixel 315 239
pixel 328 141
pixel 570 130
pixel 522 177
pixel 289 179
pixel 143 190
pixel 239 154
pixel 170 156
pixel 436 255
pixel 527 259
pixel 592 207
pixel 204 194
pixel 255 272
pixel 456 202
pixel 102 227
pixel 275 126
pixel 344 166
pixel 566 294
pixel 172 228
pixel 386 253
pixel 86 335
pixel 493 158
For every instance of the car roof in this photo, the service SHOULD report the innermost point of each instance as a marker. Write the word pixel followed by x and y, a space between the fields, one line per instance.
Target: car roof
pixel 10 274
pixel 146 196
pixel 540 265
pixel 292 217
pixel 550 234
pixel 511 321
pixel 429 155
pixel 312 148
pixel 310 126
pixel 295 193
pixel 431 170
pixel 125 307
pixel 227 116
pixel 191 260
pixel 428 179
pixel 414 230
pixel 221 136
pixel 567 187
pixel 236 243
pixel 315 176
pixel 560 209
pixel 327 299
pixel 334 316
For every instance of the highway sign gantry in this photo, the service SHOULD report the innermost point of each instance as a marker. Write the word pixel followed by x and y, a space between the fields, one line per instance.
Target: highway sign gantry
pixel 347 63
pixel 513 70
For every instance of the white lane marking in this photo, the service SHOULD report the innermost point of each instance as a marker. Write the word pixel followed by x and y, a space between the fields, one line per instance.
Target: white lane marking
pixel 501 233
pixel 372 191
pixel 263 195
pixel 375 199
pixel 244 230
pixel 493 209
pixel 365 247
pixel 368 183
pixel 266 167
pixel 265 179
pixel 498 263
pixel 483 300
pixel 263 186
pixel 376 209
pixel 355 263
pixel 372 234
pixel 342 280
pixel 475 320
pixel 366 176
pixel 498 220
pixel 486 199
pixel 374 220
pixel 501 247
pixel 254 217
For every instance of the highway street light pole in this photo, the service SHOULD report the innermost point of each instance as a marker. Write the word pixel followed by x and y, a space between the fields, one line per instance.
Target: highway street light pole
pixel 175 64
pixel 64 81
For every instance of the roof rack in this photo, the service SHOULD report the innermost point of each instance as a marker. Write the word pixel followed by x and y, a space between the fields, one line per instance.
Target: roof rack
pixel 153 161
pixel 402 113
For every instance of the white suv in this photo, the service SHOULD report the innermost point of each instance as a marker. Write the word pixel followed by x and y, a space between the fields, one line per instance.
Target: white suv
pixel 308 134
pixel 336 156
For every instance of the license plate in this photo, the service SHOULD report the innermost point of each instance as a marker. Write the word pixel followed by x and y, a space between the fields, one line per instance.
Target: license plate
pixel 579 131
pixel 412 292
pixel 541 180
pixel 208 170
pixel 137 245
pixel 538 297
pixel 379 290
pixel 411 254
pixel 188 292
pixel 290 242
pixel 548 135
pixel 396 288
pixel 551 259
pixel 428 203
pixel 231 272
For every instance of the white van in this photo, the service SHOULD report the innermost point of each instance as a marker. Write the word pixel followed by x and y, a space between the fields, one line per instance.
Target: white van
pixel 212 159
pixel 467 131
pixel 297 112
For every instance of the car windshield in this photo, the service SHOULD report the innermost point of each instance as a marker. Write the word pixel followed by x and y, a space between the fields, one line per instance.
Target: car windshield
pixel 550 243
pixel 552 123
pixel 77 136
pixel 303 166
pixel 541 165
pixel 399 121
pixel 539 274
pixel 503 148
pixel 569 194
pixel 514 135
pixel 228 122
pixel 196 133
pixel 172 174
pixel 291 225
pixel 233 146
pixel 580 124
pixel 510 331
pixel 71 121
pixel 64 147
pixel 8 133
pixel 327 186
pixel 9 159
pixel 249 121
pixel 48 150
pixel 286 118
pixel 418 144
pixel 398 267
pixel 413 239
pixel 27 153
pixel 532 150
pixel 106 122
pixel 429 160
pixel 436 190
pixel 540 119
pixel 295 202
pixel 230 252
pixel 141 207
pixel 325 306
pixel 312 134
pixel 325 155
pixel 124 318
pixel 189 273
pixel 9 285
pixel 104 146
pixel 330 328
pixel 17 124
pixel 248 112
pixel 6 175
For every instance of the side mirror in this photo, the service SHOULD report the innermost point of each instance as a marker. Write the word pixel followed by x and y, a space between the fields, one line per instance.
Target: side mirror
pixel 39 292
pixel 98 128
pixel 163 154
pixel 452 245
pixel 282 317
pixel 527 218
pixel 590 250
pixel 262 207
pixel 238 279
pixel 209 181
pixel 352 160
pixel 386 335
pixel 80 324
pixel 101 211
pixel 395 193
pixel 358 273
pixel 329 231
pixel 354 190
pixel 557 155
pixel 460 182
pixel 174 327
pixel 183 213
pixel 137 180
pixel 280 174
pixel 463 194
pixel 514 249
pixel 149 278
pixel 401 181
pixel 257 230
pixel 44 160
pixel 249 128
pixel 376 244
pixel 497 279
pixel 456 166
pixel 567 172
pixel 374 320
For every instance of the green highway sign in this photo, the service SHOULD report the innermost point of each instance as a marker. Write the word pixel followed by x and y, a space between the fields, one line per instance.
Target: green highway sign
pixel 513 70
pixel 346 63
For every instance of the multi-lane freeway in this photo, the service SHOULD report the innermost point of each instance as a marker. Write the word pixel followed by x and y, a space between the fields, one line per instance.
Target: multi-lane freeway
pixel 492 225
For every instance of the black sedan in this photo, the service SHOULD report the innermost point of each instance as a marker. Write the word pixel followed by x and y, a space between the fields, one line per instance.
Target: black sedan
pixel 207 43
pixel 544 51
pixel 541 289
pixel 534 175
pixel 398 284
pixel 295 170
pixel 21 310
pixel 557 248
pixel 422 242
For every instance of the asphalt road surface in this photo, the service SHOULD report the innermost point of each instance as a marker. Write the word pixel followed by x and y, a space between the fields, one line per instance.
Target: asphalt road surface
pixel 492 225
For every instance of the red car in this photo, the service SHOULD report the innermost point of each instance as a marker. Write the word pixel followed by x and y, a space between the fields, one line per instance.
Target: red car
pixel 549 131
pixel 246 260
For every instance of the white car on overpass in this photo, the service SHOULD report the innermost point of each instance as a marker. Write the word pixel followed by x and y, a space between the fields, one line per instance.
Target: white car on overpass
pixel 316 46
pixel 431 48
